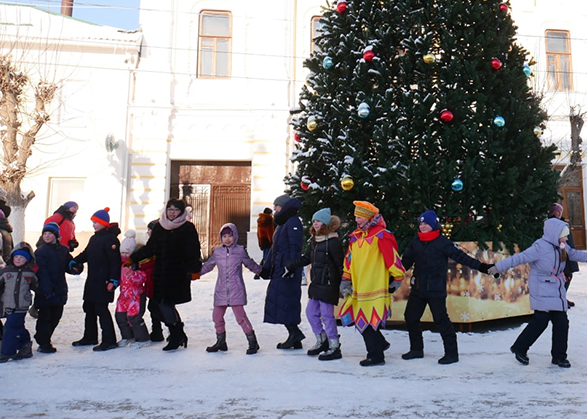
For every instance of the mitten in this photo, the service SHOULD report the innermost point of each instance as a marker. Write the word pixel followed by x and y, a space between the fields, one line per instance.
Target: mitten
pixel 346 288
pixel 194 276
pixel 73 266
pixel 394 285
pixel 73 244
pixel 128 262
pixel 265 273
pixel 112 284
pixel 484 268
pixel 493 271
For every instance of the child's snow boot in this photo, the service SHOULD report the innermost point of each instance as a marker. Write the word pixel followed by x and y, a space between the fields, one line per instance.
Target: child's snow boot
pixel 253 344
pixel 25 351
pixel 321 345
pixel 220 344
pixel 333 351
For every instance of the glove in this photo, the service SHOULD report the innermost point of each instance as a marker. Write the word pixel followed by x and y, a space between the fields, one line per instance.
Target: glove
pixel 135 266
pixel 265 273
pixel 484 268
pixel 346 288
pixel 128 262
pixel 287 273
pixel 493 271
pixel 394 285
pixel 73 244
pixel 112 284
pixel 73 266
pixel 194 276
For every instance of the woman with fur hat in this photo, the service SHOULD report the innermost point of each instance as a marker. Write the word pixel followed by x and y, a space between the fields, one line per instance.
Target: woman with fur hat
pixel 52 262
pixel 175 245
pixel 283 301
pixel 429 252
pixel 372 271
pixel 326 255
pixel 547 257
pixel 102 255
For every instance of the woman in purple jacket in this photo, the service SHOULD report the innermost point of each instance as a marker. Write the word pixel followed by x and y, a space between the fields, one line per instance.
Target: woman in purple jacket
pixel 230 288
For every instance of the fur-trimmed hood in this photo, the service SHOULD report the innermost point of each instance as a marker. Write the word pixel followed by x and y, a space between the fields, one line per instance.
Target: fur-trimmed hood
pixel 327 229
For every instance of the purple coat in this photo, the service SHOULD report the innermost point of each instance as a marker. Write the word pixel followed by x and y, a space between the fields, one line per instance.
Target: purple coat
pixel 230 288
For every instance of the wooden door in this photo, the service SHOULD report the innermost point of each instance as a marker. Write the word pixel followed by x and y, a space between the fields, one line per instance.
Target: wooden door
pixel 571 189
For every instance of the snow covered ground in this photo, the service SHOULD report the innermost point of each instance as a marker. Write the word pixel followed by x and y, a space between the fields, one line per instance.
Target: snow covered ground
pixel 191 383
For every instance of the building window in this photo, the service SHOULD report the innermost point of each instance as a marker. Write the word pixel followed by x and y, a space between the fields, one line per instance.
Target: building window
pixel 215 43
pixel 558 56
pixel 316 27
pixel 62 190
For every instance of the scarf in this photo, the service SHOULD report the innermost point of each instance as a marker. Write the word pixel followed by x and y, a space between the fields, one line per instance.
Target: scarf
pixel 428 237
pixel 168 224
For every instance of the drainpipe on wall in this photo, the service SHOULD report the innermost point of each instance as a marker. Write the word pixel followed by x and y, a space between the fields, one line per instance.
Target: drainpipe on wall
pixel 67 7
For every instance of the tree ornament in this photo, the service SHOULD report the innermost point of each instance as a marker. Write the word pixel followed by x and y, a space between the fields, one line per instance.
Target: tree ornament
pixel 537 131
pixel 499 121
pixel 347 183
pixel 527 70
pixel 327 63
pixel 341 6
pixel 457 185
pixel 368 54
pixel 297 137
pixel 496 63
pixel 363 110
pixel 305 183
pixel 312 123
pixel 446 116
pixel 429 59
pixel 503 8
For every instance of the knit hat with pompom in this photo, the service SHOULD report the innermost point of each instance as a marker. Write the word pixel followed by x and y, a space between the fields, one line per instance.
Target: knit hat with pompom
pixel 129 243
pixel 102 217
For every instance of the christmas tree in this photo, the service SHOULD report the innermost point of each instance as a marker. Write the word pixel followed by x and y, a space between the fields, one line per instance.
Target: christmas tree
pixel 416 105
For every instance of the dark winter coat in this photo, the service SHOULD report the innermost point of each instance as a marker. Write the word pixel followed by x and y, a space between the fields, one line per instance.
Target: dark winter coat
pixel 16 283
pixel 102 255
pixel 177 256
pixel 52 262
pixel 430 261
pixel 230 287
pixel 326 256
pixel 7 244
pixel 282 303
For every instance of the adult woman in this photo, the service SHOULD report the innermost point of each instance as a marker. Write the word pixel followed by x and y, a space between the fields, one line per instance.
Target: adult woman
pixel 63 217
pixel 284 292
pixel 174 243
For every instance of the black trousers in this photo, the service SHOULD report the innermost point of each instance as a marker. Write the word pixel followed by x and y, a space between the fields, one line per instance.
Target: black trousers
pixel 414 311
pixel 170 314
pixel 538 324
pixel 95 311
pixel 374 343
pixel 47 321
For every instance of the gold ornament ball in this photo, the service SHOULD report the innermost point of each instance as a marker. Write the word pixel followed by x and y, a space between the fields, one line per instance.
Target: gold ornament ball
pixel 537 131
pixel 347 183
pixel 312 123
pixel 429 58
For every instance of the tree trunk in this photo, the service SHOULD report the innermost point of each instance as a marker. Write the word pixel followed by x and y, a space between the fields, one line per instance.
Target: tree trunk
pixel 18 204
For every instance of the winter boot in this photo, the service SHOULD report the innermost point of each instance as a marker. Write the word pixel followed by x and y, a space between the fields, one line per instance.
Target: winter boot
pixel 320 346
pixel 25 351
pixel 156 334
pixel 294 340
pixel 220 344
pixel 105 346
pixel 333 351
pixel 448 359
pixel 177 337
pixel 413 354
pixel 253 344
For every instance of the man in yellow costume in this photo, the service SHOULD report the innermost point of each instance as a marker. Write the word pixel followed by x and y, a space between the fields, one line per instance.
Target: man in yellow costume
pixel 372 272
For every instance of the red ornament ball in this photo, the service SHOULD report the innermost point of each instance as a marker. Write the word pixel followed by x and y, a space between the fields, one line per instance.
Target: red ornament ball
pixel 341 7
pixel 305 183
pixel 496 63
pixel 368 55
pixel 446 116
pixel 297 137
pixel 504 8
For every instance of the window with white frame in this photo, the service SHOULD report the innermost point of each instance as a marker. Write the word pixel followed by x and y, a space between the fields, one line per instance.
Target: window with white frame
pixel 558 57
pixel 63 189
pixel 214 44
pixel 316 27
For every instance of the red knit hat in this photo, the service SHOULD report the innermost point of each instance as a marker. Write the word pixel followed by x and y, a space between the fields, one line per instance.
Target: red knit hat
pixel 102 217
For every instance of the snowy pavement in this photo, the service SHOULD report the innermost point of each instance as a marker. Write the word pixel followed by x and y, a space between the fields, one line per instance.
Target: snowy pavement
pixel 191 383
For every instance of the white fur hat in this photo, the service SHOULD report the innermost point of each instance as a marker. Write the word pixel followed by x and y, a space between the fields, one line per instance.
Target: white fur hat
pixel 129 244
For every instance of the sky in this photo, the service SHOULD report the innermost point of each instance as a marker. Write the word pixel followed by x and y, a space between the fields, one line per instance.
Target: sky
pixel 122 14
pixel 127 383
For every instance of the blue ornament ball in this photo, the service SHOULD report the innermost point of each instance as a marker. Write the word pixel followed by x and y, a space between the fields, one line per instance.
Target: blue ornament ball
pixel 457 185
pixel 363 110
pixel 327 63
pixel 499 121
pixel 527 70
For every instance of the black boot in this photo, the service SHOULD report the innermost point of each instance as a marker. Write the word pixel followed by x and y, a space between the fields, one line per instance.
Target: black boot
pixel 294 340
pixel 253 344
pixel 177 337
pixel 333 351
pixel 220 344
pixel 156 334
pixel 321 345
pixel 25 351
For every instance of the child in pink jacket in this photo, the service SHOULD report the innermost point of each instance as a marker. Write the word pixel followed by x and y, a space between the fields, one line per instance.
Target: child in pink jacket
pixel 230 288
pixel 131 303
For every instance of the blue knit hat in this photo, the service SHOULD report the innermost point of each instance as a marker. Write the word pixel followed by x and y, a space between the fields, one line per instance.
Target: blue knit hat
pixel 70 204
pixel 430 218
pixel 23 253
pixel 53 227
pixel 322 215
pixel 101 217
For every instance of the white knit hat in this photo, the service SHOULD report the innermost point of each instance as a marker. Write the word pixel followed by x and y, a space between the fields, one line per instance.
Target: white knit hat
pixel 129 244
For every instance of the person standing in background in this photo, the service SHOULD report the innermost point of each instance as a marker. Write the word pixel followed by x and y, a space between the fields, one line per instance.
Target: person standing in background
pixel 556 211
pixel 265 230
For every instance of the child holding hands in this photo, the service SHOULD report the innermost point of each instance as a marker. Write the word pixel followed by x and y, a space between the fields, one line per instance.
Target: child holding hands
pixel 230 288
